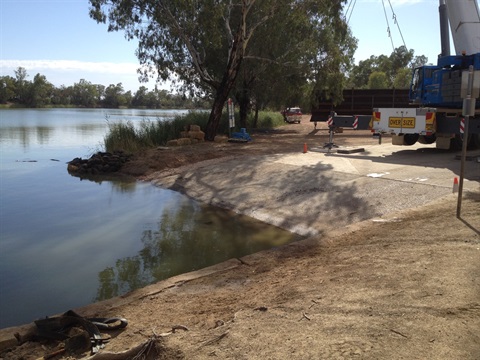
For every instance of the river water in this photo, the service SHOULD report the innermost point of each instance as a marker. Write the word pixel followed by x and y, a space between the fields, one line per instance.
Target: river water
pixel 66 242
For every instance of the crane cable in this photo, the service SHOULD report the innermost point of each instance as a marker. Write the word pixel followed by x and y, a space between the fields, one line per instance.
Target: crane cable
pixel 388 25
pixel 394 16
pixel 351 6
pixel 351 11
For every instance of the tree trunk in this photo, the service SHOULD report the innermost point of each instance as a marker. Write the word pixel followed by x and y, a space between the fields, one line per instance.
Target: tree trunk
pixel 215 115
pixel 233 66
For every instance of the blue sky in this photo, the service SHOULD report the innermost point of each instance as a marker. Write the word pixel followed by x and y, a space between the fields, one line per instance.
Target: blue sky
pixel 58 39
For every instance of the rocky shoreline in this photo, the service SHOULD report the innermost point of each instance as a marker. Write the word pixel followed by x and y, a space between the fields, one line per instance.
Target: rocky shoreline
pixel 99 163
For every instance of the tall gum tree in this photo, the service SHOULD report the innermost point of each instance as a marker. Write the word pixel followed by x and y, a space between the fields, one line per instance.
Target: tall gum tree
pixel 176 39
pixel 308 50
pixel 198 44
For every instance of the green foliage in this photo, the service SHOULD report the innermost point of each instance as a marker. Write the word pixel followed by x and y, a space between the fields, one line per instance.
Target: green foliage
pixel 308 43
pixel 39 92
pixel 395 68
pixel 378 80
pixel 122 136
pixel 266 120
pixel 7 89
pixel 114 96
pixel 403 79
pixel 85 94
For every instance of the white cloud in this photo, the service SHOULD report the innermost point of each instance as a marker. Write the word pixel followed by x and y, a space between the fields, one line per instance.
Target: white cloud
pixel 68 72
pixel 71 65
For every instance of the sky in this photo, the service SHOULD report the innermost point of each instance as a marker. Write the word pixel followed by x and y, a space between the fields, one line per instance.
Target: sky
pixel 58 39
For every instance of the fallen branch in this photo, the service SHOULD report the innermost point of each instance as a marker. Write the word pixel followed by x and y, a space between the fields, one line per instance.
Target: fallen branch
pixel 174 328
pixel 147 350
pixel 243 262
pixel 304 316
pixel 399 333
pixel 215 340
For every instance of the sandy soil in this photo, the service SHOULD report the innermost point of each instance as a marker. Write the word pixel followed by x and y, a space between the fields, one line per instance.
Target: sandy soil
pixel 406 286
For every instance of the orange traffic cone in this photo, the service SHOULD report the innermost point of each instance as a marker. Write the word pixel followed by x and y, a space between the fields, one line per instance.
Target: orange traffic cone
pixel 305 148
pixel 455 185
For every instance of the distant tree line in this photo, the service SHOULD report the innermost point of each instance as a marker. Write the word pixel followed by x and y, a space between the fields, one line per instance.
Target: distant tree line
pixel 39 93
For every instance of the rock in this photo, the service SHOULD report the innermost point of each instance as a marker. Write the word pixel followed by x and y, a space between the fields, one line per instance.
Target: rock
pixel 99 163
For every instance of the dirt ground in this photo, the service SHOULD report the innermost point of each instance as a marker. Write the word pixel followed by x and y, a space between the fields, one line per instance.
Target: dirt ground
pixel 405 286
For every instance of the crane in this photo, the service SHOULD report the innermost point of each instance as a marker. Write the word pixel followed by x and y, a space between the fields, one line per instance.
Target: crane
pixel 436 89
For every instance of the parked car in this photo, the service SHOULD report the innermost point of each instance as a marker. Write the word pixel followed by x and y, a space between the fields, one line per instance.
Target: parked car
pixel 292 115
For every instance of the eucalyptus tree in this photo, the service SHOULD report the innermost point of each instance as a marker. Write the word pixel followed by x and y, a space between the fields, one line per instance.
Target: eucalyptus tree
pixel 40 92
pixel 200 44
pixel 403 78
pixel 274 69
pixel 114 96
pixel 62 95
pixel 21 84
pixel 378 80
pixel 396 68
pixel 140 97
pixel 84 94
pixel 7 89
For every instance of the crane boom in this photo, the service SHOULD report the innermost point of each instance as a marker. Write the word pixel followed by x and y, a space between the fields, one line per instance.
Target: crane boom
pixel 464 19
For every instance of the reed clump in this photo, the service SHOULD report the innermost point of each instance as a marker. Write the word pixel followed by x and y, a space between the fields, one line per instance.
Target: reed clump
pixel 130 137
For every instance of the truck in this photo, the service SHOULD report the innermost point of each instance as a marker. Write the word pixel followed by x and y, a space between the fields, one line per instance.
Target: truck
pixel 436 90
pixel 292 115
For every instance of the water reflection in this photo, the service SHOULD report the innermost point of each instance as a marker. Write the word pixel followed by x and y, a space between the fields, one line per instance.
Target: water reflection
pixel 119 183
pixel 186 240
pixel 28 136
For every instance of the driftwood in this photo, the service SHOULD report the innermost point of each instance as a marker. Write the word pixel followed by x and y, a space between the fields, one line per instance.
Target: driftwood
pixel 215 340
pixel 61 328
pixel 150 350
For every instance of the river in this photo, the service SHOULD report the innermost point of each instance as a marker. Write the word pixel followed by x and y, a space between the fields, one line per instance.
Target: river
pixel 66 242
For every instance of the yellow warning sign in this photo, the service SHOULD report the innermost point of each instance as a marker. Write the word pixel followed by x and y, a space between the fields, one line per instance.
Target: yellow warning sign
pixel 398 122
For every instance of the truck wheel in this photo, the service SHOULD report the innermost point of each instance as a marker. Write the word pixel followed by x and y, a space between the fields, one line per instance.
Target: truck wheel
pixel 456 143
pixel 427 139
pixel 474 142
pixel 410 139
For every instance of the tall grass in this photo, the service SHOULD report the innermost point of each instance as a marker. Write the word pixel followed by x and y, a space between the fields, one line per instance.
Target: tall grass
pixel 127 137
pixel 266 120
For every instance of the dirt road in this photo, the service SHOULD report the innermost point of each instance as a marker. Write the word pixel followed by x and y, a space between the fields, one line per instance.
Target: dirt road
pixel 386 271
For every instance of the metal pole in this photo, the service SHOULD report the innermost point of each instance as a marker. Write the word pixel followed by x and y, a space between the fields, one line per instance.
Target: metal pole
pixel 466 108
pixel 462 167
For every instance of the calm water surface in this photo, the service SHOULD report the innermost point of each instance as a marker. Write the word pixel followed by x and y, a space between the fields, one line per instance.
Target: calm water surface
pixel 65 242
